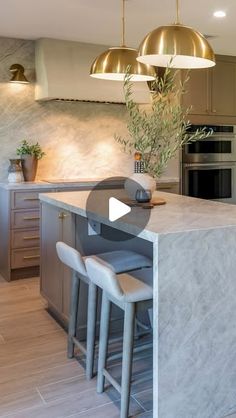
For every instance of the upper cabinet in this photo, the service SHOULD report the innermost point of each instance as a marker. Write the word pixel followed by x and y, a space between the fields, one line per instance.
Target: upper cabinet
pixel 211 93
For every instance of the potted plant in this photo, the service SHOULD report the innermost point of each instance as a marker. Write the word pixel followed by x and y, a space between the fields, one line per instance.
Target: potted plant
pixel 159 132
pixel 30 154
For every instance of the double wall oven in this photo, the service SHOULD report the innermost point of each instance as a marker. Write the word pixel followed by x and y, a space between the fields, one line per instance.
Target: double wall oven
pixel 208 167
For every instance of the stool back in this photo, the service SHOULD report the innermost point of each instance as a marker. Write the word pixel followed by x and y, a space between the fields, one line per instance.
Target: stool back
pixel 103 276
pixel 71 257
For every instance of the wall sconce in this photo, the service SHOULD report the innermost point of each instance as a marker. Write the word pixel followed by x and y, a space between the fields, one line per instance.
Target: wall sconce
pixel 18 75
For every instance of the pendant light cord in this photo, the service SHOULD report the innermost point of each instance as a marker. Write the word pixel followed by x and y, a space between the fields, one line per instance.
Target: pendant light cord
pixel 177 22
pixel 123 23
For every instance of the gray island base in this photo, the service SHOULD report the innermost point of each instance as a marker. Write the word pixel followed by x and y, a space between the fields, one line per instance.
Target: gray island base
pixel 193 243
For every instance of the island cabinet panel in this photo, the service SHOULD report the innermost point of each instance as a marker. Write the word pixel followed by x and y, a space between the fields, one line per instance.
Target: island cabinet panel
pixel 55 278
pixel 211 93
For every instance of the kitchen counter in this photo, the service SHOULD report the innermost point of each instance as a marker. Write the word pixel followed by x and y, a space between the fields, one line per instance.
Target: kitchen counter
pixel 193 244
pixel 67 183
pixel 83 182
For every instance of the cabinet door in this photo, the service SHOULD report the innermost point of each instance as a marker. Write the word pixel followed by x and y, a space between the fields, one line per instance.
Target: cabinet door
pixel 223 89
pixel 197 92
pixel 67 236
pixel 54 227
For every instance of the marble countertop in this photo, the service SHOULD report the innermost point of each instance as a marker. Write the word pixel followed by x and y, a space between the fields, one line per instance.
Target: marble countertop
pixel 82 182
pixel 55 183
pixel 179 214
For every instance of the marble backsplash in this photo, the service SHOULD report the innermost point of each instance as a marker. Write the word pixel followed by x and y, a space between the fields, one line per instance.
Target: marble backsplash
pixel 78 137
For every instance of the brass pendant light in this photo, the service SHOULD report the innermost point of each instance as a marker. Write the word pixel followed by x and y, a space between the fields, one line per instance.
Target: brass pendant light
pixel 112 64
pixel 181 45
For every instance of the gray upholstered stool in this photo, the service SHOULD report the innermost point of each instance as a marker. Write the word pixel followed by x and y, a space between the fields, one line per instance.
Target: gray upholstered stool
pixel 120 261
pixel 126 292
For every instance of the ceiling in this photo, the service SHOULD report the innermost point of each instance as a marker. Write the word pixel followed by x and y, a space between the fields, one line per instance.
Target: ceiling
pixel 98 21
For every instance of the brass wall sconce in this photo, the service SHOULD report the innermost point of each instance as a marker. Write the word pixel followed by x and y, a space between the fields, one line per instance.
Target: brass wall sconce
pixel 18 75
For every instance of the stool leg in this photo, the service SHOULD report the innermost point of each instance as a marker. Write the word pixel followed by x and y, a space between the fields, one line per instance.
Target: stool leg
pixel 127 358
pixel 103 341
pixel 91 329
pixel 73 313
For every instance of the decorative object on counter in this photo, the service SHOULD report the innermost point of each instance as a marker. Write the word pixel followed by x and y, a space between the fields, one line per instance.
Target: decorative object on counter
pixel 30 154
pixel 15 171
pixel 159 132
pixel 18 75
pixel 112 63
pixel 186 47
pixel 139 182
pixel 138 163
pixel 143 196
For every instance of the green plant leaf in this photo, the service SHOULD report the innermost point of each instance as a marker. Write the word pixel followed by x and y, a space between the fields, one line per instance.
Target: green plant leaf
pixel 160 133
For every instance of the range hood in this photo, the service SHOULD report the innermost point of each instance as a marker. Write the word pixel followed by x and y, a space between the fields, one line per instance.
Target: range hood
pixel 62 73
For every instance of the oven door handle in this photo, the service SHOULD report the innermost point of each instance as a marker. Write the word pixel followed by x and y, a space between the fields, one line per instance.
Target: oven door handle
pixel 225 164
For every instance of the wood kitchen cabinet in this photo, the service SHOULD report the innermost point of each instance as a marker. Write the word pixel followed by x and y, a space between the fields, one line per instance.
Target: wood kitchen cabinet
pixel 168 187
pixel 56 225
pixel 19 231
pixel 212 92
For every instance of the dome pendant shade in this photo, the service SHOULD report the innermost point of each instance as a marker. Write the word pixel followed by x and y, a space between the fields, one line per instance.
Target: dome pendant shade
pixel 186 47
pixel 112 65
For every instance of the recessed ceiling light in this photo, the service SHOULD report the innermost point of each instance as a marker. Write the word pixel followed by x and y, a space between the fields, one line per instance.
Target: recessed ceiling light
pixel 219 13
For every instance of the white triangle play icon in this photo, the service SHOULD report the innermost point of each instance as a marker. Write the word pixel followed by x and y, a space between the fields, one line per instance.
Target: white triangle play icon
pixel 117 209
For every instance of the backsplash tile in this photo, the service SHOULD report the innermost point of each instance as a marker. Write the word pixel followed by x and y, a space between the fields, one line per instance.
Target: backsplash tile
pixel 78 137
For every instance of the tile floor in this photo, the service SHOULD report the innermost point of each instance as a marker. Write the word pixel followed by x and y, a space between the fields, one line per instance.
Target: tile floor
pixel 36 378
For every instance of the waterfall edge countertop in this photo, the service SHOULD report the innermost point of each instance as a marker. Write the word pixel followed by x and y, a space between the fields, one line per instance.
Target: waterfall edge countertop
pixel 194 299
pixel 179 214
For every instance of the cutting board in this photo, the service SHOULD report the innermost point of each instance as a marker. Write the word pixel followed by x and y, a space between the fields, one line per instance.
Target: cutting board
pixel 157 201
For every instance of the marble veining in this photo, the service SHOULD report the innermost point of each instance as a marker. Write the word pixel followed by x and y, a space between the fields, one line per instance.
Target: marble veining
pixel 78 137
pixel 197 323
pixel 194 301
pixel 180 214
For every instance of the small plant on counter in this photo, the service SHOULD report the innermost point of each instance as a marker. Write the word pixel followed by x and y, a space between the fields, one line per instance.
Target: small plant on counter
pixel 30 149
pixel 29 154
pixel 159 132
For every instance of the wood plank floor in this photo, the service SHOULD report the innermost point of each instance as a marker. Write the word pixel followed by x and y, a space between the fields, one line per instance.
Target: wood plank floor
pixel 36 378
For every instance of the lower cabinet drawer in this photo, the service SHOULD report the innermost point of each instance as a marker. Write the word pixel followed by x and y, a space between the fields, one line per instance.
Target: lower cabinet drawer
pixel 25 200
pixel 25 257
pixel 25 239
pixel 25 219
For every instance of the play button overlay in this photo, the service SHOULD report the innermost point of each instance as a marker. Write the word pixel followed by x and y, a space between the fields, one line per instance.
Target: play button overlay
pixel 117 209
pixel 111 213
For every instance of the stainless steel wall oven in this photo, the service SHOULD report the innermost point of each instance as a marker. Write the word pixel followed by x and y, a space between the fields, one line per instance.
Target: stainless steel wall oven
pixel 208 167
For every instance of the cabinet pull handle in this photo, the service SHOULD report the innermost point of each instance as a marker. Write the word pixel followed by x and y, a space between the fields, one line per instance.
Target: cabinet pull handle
pixel 29 257
pixel 32 237
pixel 214 111
pixel 31 198
pixel 31 218
pixel 62 215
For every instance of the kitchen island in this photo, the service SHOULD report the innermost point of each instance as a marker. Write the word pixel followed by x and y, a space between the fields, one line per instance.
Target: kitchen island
pixel 193 245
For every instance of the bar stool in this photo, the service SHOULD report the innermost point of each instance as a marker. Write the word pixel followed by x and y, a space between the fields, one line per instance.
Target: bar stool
pixel 120 261
pixel 126 292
